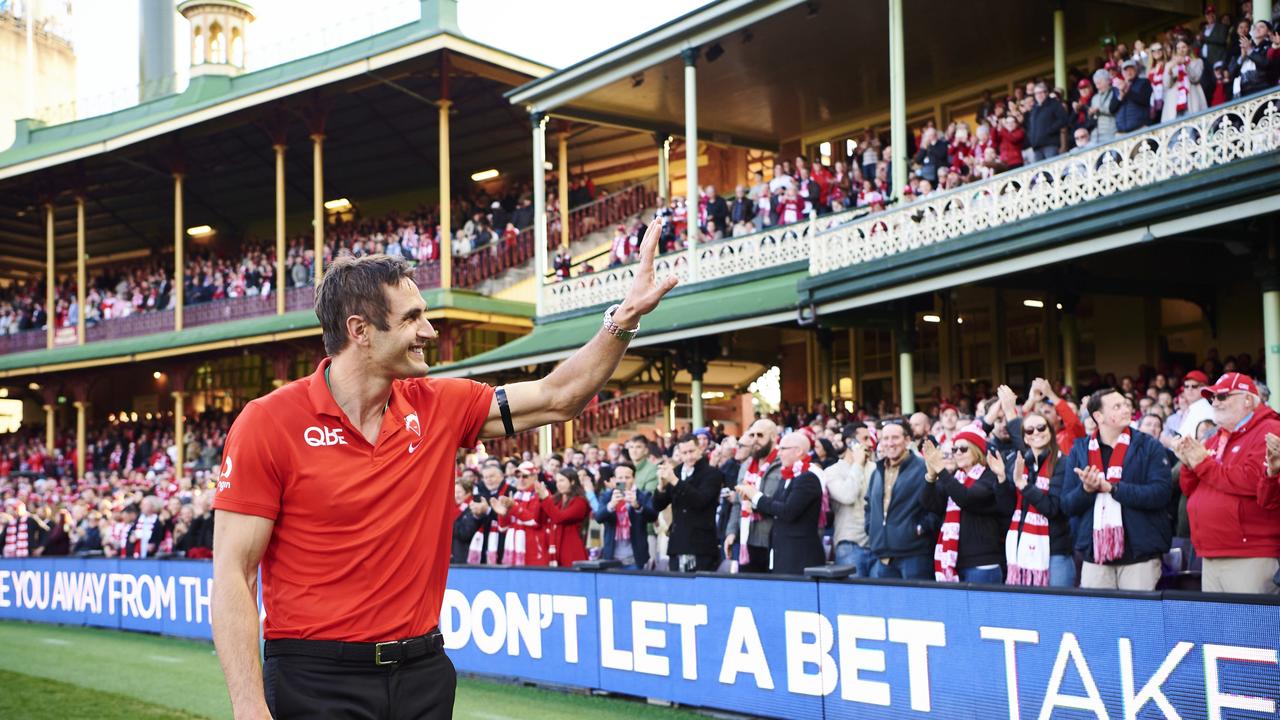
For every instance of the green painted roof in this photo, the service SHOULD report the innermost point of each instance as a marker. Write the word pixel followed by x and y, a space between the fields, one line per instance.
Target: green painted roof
pixel 237 329
pixel 708 305
pixel 35 140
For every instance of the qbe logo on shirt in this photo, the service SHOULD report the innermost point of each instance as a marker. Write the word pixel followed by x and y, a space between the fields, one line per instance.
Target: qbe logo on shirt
pixel 323 436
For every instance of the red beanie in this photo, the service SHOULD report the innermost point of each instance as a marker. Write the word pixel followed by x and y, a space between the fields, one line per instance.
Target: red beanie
pixel 973 435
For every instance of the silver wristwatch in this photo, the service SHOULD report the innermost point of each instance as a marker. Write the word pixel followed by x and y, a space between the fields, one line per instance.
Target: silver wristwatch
pixel 615 329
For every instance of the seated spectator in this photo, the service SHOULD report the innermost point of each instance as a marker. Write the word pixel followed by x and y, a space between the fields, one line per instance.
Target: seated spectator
pixel 1237 538
pixel 1117 486
pixel 970 543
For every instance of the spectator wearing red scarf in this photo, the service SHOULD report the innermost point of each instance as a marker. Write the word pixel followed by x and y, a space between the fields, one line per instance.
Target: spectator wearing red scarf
pixel 565 518
pixel 794 508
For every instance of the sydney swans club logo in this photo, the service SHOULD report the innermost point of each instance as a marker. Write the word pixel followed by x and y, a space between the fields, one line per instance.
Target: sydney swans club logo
pixel 411 424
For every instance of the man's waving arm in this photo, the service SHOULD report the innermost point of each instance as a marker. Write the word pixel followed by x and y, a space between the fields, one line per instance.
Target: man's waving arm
pixel 563 393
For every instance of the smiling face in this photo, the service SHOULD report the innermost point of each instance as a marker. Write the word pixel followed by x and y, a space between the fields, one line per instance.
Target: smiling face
pixel 400 350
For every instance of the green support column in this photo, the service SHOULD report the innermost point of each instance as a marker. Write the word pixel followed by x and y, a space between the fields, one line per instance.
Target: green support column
pixel 1068 324
pixel 897 99
pixel 1060 47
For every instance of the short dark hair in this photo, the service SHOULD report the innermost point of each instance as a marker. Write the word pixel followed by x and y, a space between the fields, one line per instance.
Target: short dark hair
pixel 687 437
pixel 1094 403
pixel 354 286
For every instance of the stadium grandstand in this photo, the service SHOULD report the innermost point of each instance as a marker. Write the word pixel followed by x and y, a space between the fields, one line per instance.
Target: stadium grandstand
pixel 977 253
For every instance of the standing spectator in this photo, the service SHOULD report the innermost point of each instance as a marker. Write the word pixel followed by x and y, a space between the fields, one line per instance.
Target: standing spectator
pixel 1213 40
pixel 970 543
pixel 742 209
pixel 1045 123
pixel 1132 103
pixel 526 539
pixel 1183 94
pixel 692 492
pixel 847 483
pixel 1010 139
pixel 794 508
pixel 900 531
pixel 470 512
pixel 717 209
pixel 1192 383
pixel 625 514
pixel 1155 76
pixel 1100 108
pixel 148 530
pixel 1058 412
pixel 932 154
pixel 763 471
pixel 1117 486
pixel 1238 539
pixel 1038 548
pixel 487 543
pixel 565 518
pixel 1249 69
pixel 197 540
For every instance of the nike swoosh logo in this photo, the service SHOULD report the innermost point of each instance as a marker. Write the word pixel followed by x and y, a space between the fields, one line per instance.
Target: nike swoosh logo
pixel 413 447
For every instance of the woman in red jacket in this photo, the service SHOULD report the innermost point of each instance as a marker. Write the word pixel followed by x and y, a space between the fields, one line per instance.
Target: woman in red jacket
pixel 565 516
pixel 1010 139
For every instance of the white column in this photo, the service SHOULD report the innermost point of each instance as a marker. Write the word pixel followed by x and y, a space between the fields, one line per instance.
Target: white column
pixel 691 154
pixel 1271 340
pixel 897 99
pixel 539 208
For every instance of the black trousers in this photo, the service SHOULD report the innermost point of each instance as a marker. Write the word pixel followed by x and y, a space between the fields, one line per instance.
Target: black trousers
pixel 299 686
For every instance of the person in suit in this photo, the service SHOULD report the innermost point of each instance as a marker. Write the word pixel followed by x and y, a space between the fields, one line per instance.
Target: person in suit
pixel 794 508
pixel 692 491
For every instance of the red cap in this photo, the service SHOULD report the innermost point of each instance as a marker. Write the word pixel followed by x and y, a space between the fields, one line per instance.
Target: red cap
pixel 1197 376
pixel 947 406
pixel 1084 83
pixel 527 467
pixel 973 435
pixel 1208 10
pixel 1230 382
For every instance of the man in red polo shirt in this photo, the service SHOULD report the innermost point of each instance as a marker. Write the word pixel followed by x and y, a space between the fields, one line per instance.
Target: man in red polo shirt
pixel 340 486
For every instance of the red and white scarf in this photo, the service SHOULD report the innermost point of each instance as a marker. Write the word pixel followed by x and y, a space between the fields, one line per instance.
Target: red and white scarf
pixel 947 549
pixel 485 542
pixel 1182 88
pixel 753 477
pixel 1108 520
pixel 1155 76
pixel 517 542
pixel 16 538
pixel 622 529
pixel 1026 548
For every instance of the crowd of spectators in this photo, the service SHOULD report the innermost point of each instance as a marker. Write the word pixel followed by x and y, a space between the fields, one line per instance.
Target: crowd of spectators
pixel 984 487
pixel 127 503
pixel 247 271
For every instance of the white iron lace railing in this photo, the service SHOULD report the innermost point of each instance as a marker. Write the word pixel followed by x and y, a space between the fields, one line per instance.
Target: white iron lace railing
pixel 779 245
pixel 1209 139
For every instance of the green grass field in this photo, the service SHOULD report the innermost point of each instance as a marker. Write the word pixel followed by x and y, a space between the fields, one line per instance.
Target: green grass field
pixel 55 672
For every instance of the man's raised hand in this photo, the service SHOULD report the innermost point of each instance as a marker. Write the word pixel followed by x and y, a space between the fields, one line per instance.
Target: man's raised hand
pixel 645 290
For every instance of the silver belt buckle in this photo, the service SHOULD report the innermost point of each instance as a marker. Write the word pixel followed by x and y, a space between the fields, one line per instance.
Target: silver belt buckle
pixel 377 653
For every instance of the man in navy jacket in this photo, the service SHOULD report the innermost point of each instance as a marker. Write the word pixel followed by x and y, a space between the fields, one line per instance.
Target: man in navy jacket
pixel 1141 492
pixel 901 533
pixel 1132 103
pixel 619 488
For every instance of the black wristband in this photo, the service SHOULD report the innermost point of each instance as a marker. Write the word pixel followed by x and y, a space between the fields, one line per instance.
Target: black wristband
pixel 505 409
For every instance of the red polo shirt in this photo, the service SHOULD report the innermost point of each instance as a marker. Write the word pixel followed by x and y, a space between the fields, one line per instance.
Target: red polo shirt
pixel 360 547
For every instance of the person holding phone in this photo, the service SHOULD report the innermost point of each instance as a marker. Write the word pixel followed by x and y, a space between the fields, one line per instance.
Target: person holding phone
pixel 625 512
pixel 692 491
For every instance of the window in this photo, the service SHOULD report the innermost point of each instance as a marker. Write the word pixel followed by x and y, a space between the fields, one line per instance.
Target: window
pixel 197 47
pixel 237 48
pixel 217 45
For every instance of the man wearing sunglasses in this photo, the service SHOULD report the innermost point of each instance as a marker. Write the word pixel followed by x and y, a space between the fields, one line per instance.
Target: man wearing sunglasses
pixel 1192 383
pixel 1238 539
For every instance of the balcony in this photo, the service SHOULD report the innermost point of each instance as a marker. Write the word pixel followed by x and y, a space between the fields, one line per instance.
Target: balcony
pixel 772 248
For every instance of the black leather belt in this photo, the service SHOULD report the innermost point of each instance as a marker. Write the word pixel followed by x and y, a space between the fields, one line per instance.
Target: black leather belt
pixel 361 653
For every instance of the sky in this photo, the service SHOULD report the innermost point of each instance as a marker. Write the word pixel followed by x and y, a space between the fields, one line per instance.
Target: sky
pixel 553 32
